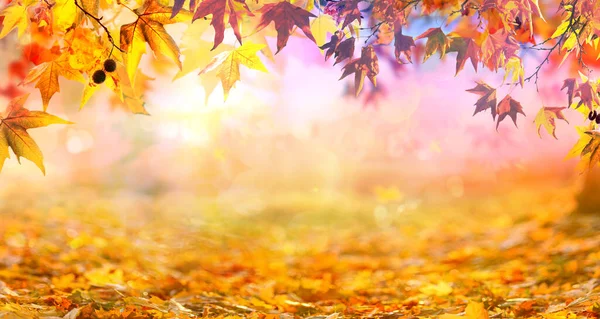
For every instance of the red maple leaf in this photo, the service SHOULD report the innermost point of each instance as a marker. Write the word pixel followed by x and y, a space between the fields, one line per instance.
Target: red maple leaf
pixel 402 43
pixel 341 50
pixel 220 10
pixel 467 49
pixel 286 16
pixel 365 66
pixel 509 107
pixel 487 99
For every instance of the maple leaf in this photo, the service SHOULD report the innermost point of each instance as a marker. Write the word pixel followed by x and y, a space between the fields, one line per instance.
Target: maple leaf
pixel 487 99
pixel 592 148
pixel 497 48
pixel 570 85
pixel 508 107
pixel 14 124
pixel 341 50
pixel 402 44
pixel 149 27
pixel 365 66
pixel 285 16
pixel 546 117
pixel 321 26
pixel 436 42
pixel 232 10
pixel 15 16
pixel 228 64
pixel 514 66
pixel 587 94
pixel 350 12
pixel 195 57
pixel 467 49
pixel 132 94
pixel 46 77
pixel 332 45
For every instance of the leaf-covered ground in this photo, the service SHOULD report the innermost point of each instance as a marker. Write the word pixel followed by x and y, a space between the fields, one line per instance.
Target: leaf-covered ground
pixel 80 254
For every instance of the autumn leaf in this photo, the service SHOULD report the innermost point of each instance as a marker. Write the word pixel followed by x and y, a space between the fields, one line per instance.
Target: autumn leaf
pixel 508 107
pixel 546 117
pixel 467 49
pixel 341 50
pixel 15 16
pixel 515 68
pixel 285 16
pixel 487 99
pixel 132 95
pixel 497 48
pixel 365 66
pixel 570 85
pixel 195 56
pixel 321 26
pixel 228 64
pixel 587 94
pixel 232 10
pixel 476 310
pixel 14 124
pixel 46 77
pixel 592 148
pixel 402 44
pixel 332 45
pixel 350 12
pixel 149 27
pixel 436 42
pixel 581 143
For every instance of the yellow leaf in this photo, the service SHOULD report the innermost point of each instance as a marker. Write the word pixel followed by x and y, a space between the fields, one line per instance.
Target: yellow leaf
pixel 149 27
pixel 46 77
pixel 228 64
pixel 476 310
pixel 546 117
pixel 14 124
pixel 321 26
pixel 513 66
pixel 15 16
pixel 561 29
pixel 65 13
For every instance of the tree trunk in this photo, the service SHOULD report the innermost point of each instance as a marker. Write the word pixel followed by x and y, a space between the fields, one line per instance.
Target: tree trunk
pixel 589 199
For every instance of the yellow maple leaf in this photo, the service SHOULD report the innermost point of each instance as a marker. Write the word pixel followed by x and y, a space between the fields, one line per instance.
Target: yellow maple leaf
pixel 546 118
pixel 46 77
pixel 14 124
pixel 149 28
pixel 514 67
pixel 321 26
pixel 193 49
pixel 228 64
pixel 15 16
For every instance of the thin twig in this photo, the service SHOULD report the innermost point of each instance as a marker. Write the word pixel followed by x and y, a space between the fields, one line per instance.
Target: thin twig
pixel 98 20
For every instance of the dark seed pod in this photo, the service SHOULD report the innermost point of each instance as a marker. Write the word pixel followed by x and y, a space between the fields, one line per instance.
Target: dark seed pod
pixel 99 76
pixel 591 116
pixel 597 119
pixel 110 65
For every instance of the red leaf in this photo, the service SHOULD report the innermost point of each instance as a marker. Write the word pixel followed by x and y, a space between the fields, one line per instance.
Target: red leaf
pixel 487 100
pixel 286 16
pixel 509 107
pixel 220 9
